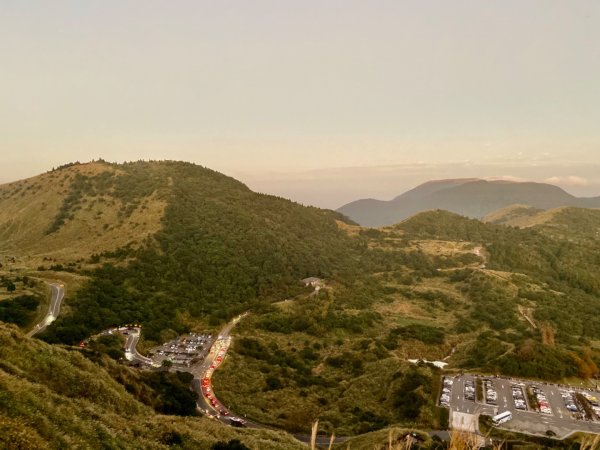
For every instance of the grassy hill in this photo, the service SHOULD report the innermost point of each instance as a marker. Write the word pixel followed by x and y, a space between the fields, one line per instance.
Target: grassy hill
pixel 69 213
pixel 517 216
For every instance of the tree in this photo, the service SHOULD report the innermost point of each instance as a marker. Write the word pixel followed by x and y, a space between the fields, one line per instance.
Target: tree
pixel 10 286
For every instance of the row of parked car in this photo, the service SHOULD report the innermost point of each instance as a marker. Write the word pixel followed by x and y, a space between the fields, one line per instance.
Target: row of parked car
pixel 491 396
pixel 542 401
pixel 470 390
pixel 519 397
pixel 569 399
pixel 446 391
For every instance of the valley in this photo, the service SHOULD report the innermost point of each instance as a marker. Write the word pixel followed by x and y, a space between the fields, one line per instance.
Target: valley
pixel 482 297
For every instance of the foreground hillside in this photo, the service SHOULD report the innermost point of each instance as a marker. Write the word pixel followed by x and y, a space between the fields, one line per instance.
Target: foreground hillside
pixel 53 398
pixel 468 197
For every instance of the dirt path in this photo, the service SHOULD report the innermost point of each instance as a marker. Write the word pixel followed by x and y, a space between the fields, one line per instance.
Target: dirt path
pixel 524 312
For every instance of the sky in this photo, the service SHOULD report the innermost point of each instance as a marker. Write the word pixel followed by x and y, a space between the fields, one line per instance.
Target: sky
pixel 323 102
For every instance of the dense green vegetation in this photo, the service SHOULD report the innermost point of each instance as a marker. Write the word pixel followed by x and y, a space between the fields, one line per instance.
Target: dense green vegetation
pixel 352 387
pixel 223 249
pixel 172 392
pixel 166 392
pixel 19 310
pixel 473 309
pixel 534 251
pixel 304 358
pixel 423 333
pixel 562 281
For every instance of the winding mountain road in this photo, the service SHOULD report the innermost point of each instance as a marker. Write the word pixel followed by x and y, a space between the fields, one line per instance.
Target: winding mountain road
pixel 131 353
pixel 207 401
pixel 58 294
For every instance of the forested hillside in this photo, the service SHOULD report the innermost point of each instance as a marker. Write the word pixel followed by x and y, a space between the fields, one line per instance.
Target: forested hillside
pixel 482 297
pixel 221 250
pixel 554 272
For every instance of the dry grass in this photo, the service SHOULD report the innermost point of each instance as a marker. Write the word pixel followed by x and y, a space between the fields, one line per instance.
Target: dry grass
pixel 444 248
pixel 352 230
pixel 28 207
pixel 590 442
pixel 386 439
pixel 548 334
pixel 463 440
pixel 522 216
pixel 313 435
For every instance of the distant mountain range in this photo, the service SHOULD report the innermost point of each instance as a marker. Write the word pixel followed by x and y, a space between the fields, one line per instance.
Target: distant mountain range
pixel 471 197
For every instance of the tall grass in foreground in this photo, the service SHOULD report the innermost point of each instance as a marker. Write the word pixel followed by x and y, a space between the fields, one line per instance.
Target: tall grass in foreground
pixel 313 435
pixel 463 440
pixel 459 440
pixel 589 442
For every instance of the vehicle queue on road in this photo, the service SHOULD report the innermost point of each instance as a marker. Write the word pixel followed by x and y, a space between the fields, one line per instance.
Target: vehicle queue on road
pixel 218 353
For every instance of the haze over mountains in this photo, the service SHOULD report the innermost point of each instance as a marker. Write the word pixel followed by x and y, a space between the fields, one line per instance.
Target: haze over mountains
pixel 471 197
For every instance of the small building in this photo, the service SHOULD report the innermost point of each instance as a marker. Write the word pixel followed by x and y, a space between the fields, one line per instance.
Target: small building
pixel 313 281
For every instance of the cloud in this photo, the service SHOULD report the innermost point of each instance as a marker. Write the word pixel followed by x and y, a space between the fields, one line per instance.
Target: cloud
pixel 331 187
pixel 571 180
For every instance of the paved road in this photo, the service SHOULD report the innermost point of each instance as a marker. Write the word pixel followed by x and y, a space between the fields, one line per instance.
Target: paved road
pixel 131 353
pixel 560 421
pixel 204 371
pixel 58 294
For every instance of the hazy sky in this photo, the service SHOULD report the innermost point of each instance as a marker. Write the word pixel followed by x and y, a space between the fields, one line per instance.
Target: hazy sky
pixel 320 101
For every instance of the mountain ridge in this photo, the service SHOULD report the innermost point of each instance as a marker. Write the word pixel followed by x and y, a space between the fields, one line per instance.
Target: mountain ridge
pixel 469 197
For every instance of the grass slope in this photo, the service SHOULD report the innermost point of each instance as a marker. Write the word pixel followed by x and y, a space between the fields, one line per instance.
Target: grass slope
pixel 54 398
pixel 70 213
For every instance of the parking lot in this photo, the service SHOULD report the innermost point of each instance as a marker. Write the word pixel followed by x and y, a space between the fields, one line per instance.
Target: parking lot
pixel 184 351
pixel 537 408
